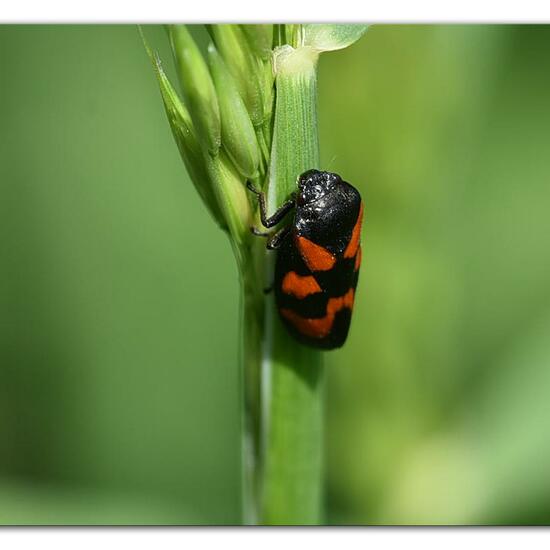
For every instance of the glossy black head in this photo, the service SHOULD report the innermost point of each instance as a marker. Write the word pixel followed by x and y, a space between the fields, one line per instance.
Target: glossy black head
pixel 326 209
pixel 313 185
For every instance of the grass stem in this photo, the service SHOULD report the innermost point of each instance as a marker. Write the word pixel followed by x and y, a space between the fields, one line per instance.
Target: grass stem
pixel 292 375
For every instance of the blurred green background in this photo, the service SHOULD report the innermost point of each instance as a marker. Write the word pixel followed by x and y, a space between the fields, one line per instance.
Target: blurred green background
pixel 119 296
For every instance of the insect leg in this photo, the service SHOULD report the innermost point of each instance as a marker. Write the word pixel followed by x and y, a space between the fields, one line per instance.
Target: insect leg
pixel 278 215
pixel 259 233
pixel 275 240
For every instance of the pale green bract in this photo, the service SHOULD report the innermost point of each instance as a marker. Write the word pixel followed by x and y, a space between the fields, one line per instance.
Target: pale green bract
pixel 197 86
pixel 238 134
pixel 326 38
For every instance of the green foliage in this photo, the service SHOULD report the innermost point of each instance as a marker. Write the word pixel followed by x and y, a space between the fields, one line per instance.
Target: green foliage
pixel 260 39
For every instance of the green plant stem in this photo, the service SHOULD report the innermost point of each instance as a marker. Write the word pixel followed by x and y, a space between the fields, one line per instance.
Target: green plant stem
pixel 252 335
pixel 292 374
pixel 283 380
pixel 292 461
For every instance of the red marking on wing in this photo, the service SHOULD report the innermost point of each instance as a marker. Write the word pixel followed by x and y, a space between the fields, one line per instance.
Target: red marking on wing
pixel 299 286
pixel 353 244
pixel 320 327
pixel 358 259
pixel 316 257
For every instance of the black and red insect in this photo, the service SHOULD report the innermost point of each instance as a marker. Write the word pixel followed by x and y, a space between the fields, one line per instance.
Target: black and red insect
pixel 318 257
